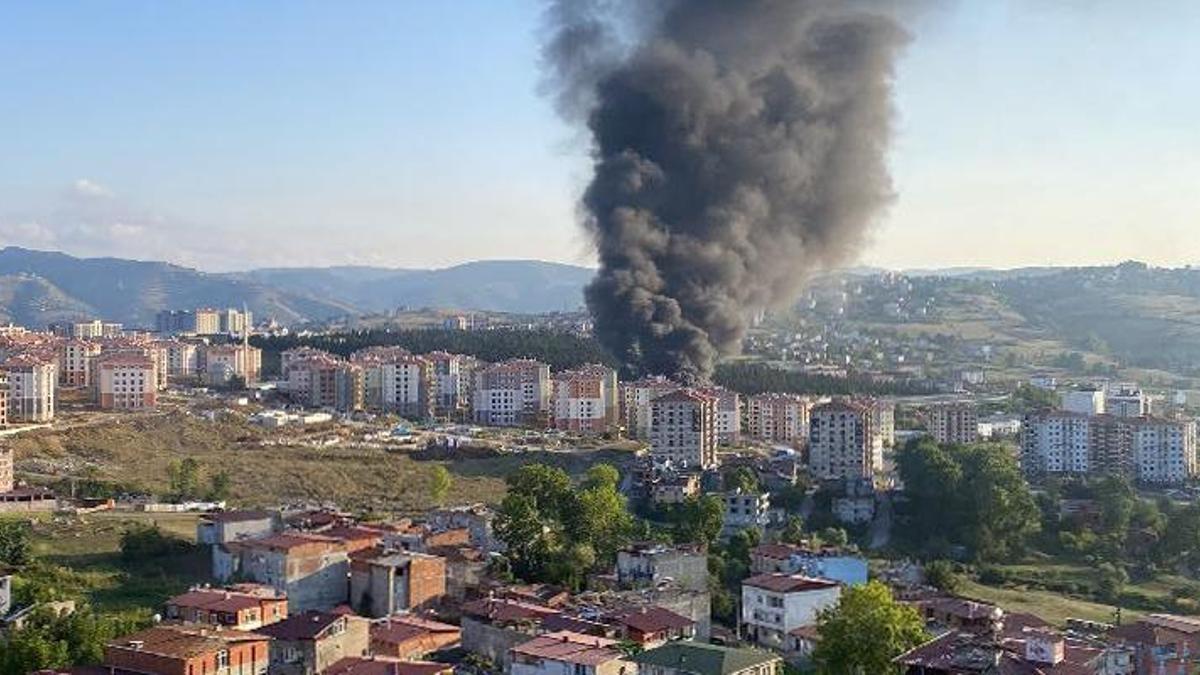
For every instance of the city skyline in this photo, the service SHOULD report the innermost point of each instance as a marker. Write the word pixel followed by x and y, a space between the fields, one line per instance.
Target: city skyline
pixel 404 135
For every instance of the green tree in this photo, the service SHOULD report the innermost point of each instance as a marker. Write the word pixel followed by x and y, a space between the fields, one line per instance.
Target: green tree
pixel 742 478
pixel 219 487
pixel 599 516
pixel 793 531
pixel 834 536
pixel 865 631
pixel 184 478
pixel 14 543
pixel 699 520
pixel 519 525
pixel 550 488
pixel 941 575
pixel 440 482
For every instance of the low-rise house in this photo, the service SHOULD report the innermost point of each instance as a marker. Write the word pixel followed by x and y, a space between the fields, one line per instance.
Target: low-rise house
pixel 568 653
pixel 653 626
pixel 376 665
pixel 491 627
pixel 958 614
pixel 409 637
pixel 649 564
pixel 466 569
pixel 744 510
pixel 383 583
pixel 823 564
pixel 694 658
pixel 309 643
pixel 476 518
pixel 1161 643
pixel 312 570
pixel 188 650
pixel 423 537
pixel 239 607
pixel 675 489
pixel 773 605
pixel 1035 651
pixel 222 527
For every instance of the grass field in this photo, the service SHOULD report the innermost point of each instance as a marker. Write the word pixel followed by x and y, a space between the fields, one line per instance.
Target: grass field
pixel 136 452
pixel 1052 607
pixel 88 549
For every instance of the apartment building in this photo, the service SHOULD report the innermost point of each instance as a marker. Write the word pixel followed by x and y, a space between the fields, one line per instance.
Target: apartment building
pixel 778 418
pixel 327 382
pixel 7 479
pixel 635 402
pixel 407 386
pixel 32 388
pixel 953 422
pixel 206 321
pixel 183 358
pixel 774 605
pixel 746 511
pixel 452 383
pixel 842 443
pixel 1145 449
pixel 1083 401
pixel 1126 400
pixel 188 650
pixel 75 362
pixel 236 322
pixel 90 330
pixel 126 381
pixel 223 363
pixel 585 400
pixel 3 399
pixel 728 417
pixel 683 429
pixel 512 393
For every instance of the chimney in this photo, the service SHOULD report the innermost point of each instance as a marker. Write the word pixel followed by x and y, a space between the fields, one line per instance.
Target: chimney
pixel 136 644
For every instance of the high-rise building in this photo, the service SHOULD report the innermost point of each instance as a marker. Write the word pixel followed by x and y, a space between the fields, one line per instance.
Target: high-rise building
pixel 842 442
pixel 223 363
pixel 452 377
pixel 1126 400
pixel 1084 401
pixel 126 381
pixel 1145 449
pixel 96 328
pixel 635 403
pixel 32 389
pixel 953 422
pixel 585 399
pixel 683 429
pixel 728 416
pixel 207 321
pixel 512 393
pixel 778 418
pixel 75 362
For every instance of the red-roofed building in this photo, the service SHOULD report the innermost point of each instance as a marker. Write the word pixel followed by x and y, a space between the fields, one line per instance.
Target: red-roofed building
pixel 406 636
pixel 567 653
pixel 240 607
pixel 377 665
pixel 653 626
pixel 126 381
pixel 188 650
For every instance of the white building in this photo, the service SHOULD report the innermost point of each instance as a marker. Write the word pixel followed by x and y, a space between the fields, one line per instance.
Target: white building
pixel 1164 451
pixel 746 510
pixel 406 386
pixel 728 416
pixel 1056 443
pixel 126 381
pixel 75 362
pixel 773 605
pixel 1083 401
pixel 512 393
pixel 683 429
pixel 452 377
pixel 183 358
pixel 585 400
pixel 32 389
pixel 1126 400
pixel 569 653
pixel 635 403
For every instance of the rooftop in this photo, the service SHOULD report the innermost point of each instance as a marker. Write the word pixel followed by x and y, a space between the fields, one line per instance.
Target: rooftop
pixel 704 659
pixel 307 626
pixel 788 583
pixel 568 647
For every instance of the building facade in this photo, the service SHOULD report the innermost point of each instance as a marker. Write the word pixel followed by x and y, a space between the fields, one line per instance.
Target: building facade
pixel 683 429
pixel 842 444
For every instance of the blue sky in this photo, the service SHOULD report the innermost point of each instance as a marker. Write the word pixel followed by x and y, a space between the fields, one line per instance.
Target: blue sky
pixel 231 134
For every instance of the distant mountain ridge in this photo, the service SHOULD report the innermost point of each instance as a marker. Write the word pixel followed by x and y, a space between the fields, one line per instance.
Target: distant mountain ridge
pixel 41 287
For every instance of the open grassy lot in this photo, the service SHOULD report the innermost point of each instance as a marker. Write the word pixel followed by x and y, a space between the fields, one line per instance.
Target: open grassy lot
pixel 84 554
pixel 1052 607
pixel 268 469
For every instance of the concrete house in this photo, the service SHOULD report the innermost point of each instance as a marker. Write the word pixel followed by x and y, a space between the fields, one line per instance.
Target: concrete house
pixel 567 653
pixel 312 570
pixel 309 643
pixel 773 605
pixel 383 583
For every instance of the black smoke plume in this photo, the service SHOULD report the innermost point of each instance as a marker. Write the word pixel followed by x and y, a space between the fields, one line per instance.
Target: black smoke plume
pixel 739 147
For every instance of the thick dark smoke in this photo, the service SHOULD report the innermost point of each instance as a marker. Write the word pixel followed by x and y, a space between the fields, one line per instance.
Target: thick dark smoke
pixel 739 147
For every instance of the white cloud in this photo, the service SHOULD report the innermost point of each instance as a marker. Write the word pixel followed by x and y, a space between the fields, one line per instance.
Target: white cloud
pixel 85 187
